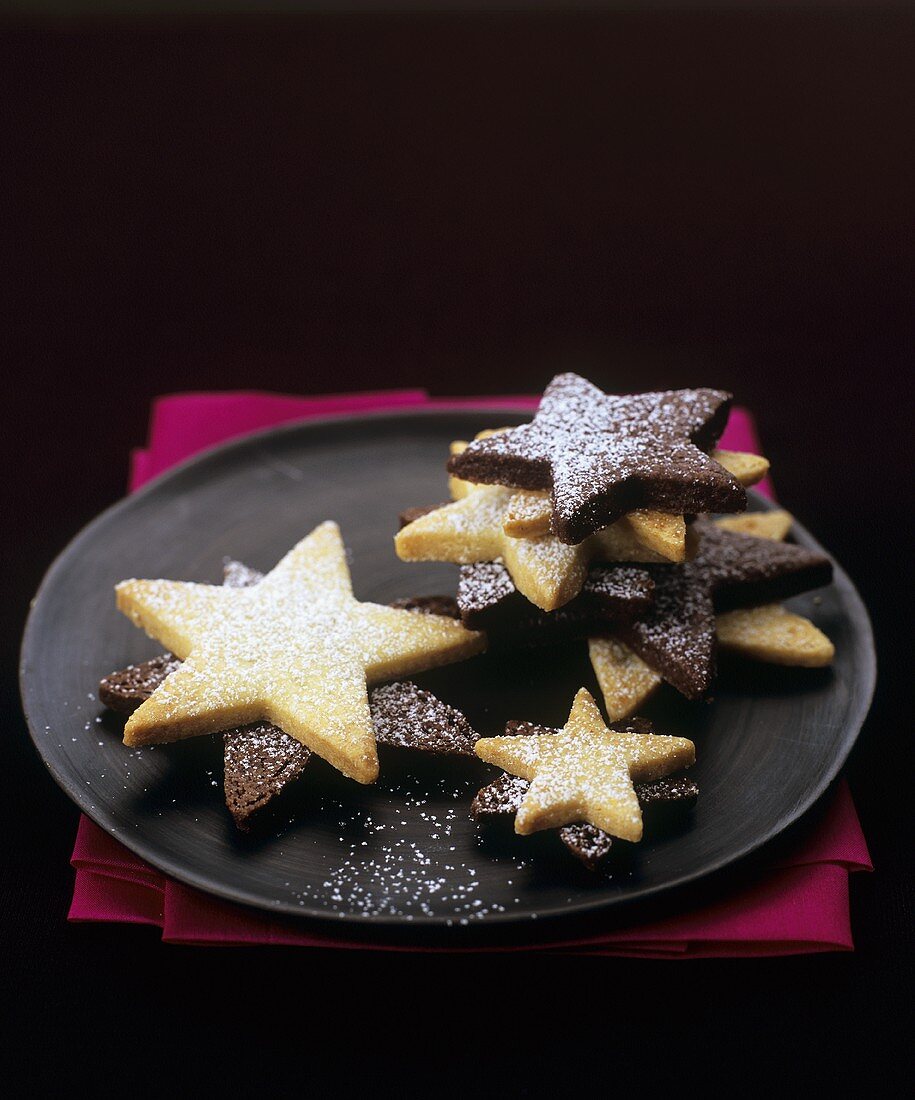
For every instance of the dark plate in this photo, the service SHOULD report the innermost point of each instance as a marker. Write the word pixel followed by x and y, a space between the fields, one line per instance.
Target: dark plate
pixel 404 850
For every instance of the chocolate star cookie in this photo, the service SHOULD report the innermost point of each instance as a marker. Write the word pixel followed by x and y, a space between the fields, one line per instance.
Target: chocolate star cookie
pixel 767 633
pixel 603 456
pixel 675 635
pixel 488 600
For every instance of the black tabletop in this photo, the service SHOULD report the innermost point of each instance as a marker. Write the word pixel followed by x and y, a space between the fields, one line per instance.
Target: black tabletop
pixel 655 200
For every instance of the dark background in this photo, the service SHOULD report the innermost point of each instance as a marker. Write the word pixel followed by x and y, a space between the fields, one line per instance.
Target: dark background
pixel 467 204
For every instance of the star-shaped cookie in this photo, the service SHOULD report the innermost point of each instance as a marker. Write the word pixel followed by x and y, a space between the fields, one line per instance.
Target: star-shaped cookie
pixel 637 536
pixel 586 771
pixel 603 456
pixel 676 635
pixel 530 513
pixel 664 798
pixel 767 633
pixel 545 570
pixel 260 761
pixel 296 650
pixel 488 600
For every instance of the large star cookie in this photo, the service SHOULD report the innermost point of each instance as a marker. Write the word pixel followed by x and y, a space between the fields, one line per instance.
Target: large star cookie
pixel 296 650
pixel 676 635
pixel 260 761
pixel 586 771
pixel 603 456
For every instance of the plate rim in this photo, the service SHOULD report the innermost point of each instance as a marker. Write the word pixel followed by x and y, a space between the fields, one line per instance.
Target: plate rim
pixel 865 684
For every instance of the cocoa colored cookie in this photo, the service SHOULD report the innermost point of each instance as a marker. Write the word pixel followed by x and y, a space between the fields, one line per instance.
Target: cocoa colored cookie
pixel 675 635
pixel 665 799
pixel 259 762
pixel 488 600
pixel 429 605
pixel 408 515
pixel 603 456
pixel 406 717
pixel 124 691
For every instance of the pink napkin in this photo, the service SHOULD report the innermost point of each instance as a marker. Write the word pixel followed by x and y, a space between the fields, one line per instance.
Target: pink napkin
pixel 799 905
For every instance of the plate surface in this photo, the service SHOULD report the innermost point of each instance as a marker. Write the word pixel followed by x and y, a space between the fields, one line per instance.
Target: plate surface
pixel 404 852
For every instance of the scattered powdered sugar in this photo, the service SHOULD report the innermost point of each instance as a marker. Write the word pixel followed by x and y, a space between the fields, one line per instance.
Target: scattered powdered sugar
pixel 406 866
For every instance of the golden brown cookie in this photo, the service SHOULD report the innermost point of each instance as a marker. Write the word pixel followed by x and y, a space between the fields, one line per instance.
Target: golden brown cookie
pixel 640 536
pixel 625 681
pixel 585 772
pixel 528 516
pixel 546 571
pixel 747 469
pixel 762 525
pixel 296 650
pixel 774 634
pixel 530 512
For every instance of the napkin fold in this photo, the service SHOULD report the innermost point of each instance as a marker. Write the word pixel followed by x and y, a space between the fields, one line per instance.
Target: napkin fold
pixel 798 905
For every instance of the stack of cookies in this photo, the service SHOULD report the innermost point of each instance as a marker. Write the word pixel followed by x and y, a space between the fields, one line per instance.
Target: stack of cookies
pixel 594 520
pixel 591 522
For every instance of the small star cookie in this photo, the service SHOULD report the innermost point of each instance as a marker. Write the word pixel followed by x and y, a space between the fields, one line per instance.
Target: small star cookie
pixel 586 771
pixel 296 650
pixel 665 799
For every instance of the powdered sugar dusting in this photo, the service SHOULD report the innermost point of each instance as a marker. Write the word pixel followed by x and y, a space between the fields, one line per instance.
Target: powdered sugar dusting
pixel 407 865
pixel 585 771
